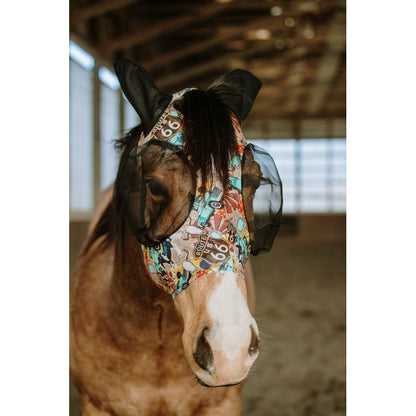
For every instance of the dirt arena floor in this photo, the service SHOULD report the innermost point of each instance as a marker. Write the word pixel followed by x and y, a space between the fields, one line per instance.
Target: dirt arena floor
pixel 301 313
pixel 301 305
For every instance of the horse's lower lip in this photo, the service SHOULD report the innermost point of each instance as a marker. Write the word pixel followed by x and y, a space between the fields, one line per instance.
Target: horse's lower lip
pixel 222 385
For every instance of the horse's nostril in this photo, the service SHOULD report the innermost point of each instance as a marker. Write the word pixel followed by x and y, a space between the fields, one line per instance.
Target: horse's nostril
pixel 255 342
pixel 203 354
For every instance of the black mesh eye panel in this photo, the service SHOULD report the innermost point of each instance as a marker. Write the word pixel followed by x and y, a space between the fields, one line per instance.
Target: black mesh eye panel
pixel 260 175
pixel 154 210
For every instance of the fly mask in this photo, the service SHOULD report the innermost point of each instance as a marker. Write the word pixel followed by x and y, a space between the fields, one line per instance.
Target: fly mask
pixel 216 227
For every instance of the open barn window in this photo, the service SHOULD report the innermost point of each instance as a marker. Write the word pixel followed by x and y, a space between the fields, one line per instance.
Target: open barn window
pixel 99 114
pixel 81 133
pixel 312 172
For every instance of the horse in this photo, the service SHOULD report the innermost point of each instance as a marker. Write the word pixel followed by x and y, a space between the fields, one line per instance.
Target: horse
pixel 162 298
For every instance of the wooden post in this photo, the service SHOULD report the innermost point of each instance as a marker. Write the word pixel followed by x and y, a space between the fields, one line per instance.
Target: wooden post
pixel 298 180
pixel 96 134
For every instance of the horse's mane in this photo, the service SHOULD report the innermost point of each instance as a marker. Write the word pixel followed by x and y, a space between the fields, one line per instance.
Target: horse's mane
pixel 209 140
pixel 209 135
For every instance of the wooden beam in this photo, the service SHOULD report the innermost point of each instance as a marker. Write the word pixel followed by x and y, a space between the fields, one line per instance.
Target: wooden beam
pixel 162 28
pixel 80 14
pixel 329 64
pixel 336 88
pixel 288 6
pixel 199 47
pixel 271 91
pixel 273 113
pixel 238 5
pixel 96 135
pixel 286 128
pixel 219 63
pixel 276 100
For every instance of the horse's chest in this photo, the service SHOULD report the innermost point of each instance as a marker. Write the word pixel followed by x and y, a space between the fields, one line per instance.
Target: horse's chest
pixel 154 379
pixel 167 400
pixel 154 386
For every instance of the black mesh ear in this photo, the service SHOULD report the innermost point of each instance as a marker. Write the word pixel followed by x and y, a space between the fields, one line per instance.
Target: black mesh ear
pixel 249 85
pixel 139 88
pixel 261 175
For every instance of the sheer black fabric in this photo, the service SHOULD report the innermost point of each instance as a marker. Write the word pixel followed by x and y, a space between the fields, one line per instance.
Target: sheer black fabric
pixel 260 174
pixel 154 210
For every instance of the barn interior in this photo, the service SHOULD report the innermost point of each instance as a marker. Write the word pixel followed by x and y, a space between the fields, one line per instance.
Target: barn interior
pixel 298 50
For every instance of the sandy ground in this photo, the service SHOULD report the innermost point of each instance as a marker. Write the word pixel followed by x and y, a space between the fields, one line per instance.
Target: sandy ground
pixel 301 314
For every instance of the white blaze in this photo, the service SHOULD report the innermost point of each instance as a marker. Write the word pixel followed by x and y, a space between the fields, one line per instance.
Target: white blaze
pixel 230 333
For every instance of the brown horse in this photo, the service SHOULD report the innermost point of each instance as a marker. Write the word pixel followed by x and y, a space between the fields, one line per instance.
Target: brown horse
pixel 134 350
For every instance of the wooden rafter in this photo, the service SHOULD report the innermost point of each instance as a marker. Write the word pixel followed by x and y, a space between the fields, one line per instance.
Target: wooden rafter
pixel 329 64
pixel 199 47
pixel 192 43
pixel 215 64
pixel 163 28
pixel 80 14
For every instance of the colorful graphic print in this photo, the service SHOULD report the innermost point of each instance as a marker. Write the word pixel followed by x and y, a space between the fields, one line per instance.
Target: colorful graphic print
pixel 215 235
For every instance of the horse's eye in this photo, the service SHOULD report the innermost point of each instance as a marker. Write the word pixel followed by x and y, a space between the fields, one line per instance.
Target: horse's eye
pixel 156 188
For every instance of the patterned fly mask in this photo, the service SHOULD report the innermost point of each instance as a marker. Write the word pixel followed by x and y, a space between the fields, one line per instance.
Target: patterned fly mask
pixel 214 234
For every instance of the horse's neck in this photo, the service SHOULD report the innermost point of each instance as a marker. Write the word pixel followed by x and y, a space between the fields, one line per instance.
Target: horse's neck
pixel 135 299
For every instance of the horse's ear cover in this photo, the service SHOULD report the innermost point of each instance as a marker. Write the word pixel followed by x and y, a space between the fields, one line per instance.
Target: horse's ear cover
pixel 267 201
pixel 249 85
pixel 139 88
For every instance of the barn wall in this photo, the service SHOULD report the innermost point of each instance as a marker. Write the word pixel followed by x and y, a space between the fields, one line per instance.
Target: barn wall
pixel 322 227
